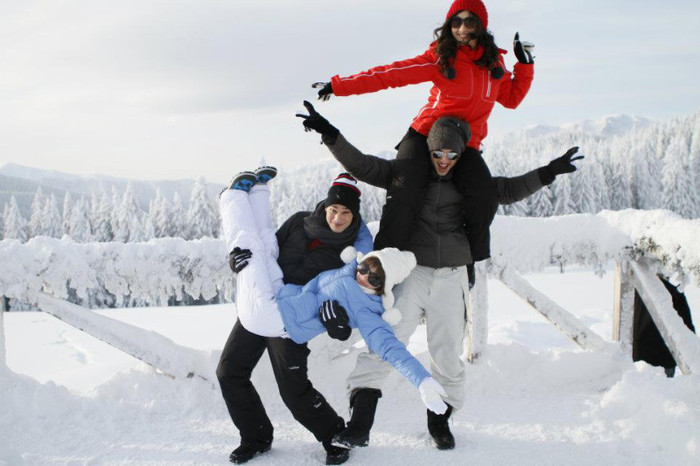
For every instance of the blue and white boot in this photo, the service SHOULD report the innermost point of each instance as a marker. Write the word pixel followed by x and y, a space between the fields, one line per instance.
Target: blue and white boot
pixel 265 173
pixel 243 181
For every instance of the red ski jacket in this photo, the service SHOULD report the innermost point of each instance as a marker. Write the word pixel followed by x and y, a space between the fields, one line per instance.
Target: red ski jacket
pixel 470 96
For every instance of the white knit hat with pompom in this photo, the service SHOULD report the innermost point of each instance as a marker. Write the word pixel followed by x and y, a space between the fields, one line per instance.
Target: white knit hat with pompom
pixel 397 265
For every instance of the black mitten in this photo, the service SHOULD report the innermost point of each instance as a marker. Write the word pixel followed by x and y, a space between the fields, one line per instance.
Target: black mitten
pixel 238 259
pixel 335 318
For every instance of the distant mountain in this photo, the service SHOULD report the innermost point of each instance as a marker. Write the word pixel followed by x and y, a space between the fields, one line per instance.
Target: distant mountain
pixel 22 182
pixel 301 189
pixel 609 126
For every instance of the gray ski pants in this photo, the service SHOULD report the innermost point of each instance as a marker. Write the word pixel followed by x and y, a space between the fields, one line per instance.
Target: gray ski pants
pixel 439 295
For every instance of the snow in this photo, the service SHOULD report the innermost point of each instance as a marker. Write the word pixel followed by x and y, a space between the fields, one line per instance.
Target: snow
pixel 165 268
pixel 533 396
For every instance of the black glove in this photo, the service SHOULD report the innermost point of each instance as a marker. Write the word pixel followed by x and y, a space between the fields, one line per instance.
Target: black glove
pixel 522 50
pixel 563 164
pixel 326 90
pixel 314 121
pixel 471 275
pixel 238 259
pixel 335 318
pixel 559 166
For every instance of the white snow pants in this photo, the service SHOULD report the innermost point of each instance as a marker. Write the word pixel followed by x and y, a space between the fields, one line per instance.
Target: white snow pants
pixel 439 295
pixel 247 223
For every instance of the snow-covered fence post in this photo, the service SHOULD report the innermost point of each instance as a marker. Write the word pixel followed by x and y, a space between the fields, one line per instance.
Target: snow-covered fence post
pixel 566 322
pixel 623 306
pixel 681 341
pixel 477 331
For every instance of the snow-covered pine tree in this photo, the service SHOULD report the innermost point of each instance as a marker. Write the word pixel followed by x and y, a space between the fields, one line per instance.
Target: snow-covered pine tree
pixel 15 224
pixel 161 217
pixel 542 203
pixel 563 204
pixel 79 229
pixel 102 220
pixel 94 212
pixel 149 231
pixel 34 228
pixel 2 221
pixel 602 193
pixel 647 171
pixel 127 222
pixel 66 213
pixel 620 194
pixel 51 218
pixel 202 216
pixel 153 206
pixel 693 131
pixel 176 226
pixel 679 193
pixel 583 180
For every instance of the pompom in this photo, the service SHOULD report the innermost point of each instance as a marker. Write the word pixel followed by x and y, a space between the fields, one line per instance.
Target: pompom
pixel 497 72
pixel 348 255
pixel 392 316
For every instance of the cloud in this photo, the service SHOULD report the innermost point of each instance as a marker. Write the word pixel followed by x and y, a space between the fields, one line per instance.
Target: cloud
pixel 137 82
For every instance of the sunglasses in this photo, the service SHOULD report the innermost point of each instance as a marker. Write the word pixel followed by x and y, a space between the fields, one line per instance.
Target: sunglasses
pixel 438 154
pixel 470 22
pixel 372 278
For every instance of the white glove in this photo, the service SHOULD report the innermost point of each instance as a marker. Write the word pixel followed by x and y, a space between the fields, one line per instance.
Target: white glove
pixel 432 392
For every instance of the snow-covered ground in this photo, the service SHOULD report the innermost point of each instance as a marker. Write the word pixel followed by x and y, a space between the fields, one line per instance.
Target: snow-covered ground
pixel 534 397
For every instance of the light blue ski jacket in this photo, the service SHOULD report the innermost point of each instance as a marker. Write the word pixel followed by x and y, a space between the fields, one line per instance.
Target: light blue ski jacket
pixel 299 307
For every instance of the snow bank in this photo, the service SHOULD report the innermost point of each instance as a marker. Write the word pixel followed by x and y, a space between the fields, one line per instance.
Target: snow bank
pixel 161 269
pixel 152 272
pixel 645 406
pixel 530 244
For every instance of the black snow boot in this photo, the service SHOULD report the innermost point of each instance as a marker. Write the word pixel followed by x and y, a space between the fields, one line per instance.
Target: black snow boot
pixel 363 405
pixel 334 454
pixel 247 450
pixel 440 430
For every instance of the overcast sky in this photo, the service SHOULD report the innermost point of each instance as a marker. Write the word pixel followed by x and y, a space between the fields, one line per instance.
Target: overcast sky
pixel 181 89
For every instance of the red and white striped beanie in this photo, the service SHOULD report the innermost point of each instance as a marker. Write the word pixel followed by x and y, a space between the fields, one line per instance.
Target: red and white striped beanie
pixel 344 191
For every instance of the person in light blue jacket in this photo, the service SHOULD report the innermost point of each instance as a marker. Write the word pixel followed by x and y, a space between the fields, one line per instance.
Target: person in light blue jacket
pixel 363 288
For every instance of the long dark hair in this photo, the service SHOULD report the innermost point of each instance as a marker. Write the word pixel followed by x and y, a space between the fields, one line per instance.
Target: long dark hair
pixel 446 47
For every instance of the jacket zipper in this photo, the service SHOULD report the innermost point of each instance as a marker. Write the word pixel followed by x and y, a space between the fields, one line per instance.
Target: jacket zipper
pixel 488 85
pixel 435 217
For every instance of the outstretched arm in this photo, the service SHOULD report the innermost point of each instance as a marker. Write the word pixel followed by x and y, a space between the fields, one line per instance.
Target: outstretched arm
pixel 516 188
pixel 380 338
pixel 366 168
pixel 419 69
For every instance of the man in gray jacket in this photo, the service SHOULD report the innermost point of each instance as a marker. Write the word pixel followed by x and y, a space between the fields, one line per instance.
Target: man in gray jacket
pixel 437 288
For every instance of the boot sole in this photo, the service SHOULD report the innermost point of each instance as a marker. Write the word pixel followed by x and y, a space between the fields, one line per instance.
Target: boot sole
pixel 338 459
pixel 257 453
pixel 346 444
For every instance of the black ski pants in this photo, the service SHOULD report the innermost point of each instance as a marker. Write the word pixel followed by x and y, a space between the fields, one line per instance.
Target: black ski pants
pixel 405 196
pixel 241 354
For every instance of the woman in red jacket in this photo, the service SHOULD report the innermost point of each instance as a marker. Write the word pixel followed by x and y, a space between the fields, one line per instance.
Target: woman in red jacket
pixel 469 76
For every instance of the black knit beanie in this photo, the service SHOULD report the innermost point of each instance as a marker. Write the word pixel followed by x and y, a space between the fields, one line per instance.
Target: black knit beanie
pixel 344 191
